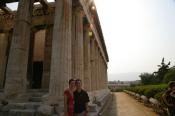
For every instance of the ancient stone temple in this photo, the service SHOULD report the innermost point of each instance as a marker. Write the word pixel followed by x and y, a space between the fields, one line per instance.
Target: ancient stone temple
pixel 42 45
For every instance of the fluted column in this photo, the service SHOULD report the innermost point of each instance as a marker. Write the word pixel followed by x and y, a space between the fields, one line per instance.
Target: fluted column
pixel 61 48
pixel 101 72
pixel 16 75
pixel 47 57
pixel 92 51
pixel 106 76
pixel 87 63
pixel 98 69
pixel 96 66
pixel 77 45
pixel 3 56
pixel 105 80
pixel 100 76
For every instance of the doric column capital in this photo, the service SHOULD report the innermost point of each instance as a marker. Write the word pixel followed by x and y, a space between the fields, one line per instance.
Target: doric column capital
pixel 78 10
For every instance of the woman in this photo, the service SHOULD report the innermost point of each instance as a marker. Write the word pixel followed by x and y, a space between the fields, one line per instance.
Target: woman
pixel 69 99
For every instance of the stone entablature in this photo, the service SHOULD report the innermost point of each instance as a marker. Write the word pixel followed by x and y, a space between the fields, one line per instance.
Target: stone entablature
pixel 39 17
pixel 45 17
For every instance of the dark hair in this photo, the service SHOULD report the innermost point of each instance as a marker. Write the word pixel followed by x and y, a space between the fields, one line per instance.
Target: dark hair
pixel 71 80
pixel 171 84
pixel 78 80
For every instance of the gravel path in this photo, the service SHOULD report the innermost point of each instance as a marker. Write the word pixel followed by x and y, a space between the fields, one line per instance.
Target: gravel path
pixel 124 105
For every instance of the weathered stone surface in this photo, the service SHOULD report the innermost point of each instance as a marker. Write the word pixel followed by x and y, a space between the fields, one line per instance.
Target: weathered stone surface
pixel 26 112
pixel 87 59
pixel 92 51
pixel 47 57
pixel 16 74
pixel 35 99
pixel 14 106
pixel 154 101
pixel 92 107
pixel 60 108
pixel 77 44
pixel 1 106
pixel 144 98
pixel 3 57
pixel 31 105
pixel 45 110
pixel 61 48
pixel 4 102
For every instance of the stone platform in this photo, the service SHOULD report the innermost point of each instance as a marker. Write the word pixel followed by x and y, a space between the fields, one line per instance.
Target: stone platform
pixel 32 104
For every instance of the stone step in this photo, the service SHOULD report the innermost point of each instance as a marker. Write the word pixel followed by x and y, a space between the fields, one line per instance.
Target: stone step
pixel 32 105
pixel 35 99
pixel 38 90
pixel 32 97
pixel 20 106
pixel 32 94
pixel 25 112
pixel 2 96
pixel 92 107
pixel 4 114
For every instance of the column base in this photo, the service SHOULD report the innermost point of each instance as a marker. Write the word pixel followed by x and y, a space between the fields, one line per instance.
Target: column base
pixel 98 100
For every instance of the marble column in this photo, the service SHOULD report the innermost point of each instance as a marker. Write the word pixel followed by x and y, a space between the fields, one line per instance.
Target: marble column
pixel 98 70
pixel 101 62
pixel 61 49
pixel 100 76
pixel 96 66
pixel 87 63
pixel 47 57
pixel 106 76
pixel 92 51
pixel 77 44
pixel 3 57
pixel 16 74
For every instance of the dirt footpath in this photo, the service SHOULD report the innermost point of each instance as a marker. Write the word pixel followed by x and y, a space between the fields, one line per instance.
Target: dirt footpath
pixel 124 105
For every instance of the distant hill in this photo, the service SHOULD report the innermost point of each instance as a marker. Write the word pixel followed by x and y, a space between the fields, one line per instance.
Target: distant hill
pixel 131 76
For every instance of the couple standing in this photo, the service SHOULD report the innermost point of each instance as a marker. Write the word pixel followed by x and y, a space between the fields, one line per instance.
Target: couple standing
pixel 75 99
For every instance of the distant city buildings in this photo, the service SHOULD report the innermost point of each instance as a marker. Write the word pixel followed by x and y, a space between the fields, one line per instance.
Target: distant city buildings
pixel 114 85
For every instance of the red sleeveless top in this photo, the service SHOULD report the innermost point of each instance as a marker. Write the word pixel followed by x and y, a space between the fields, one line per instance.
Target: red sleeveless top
pixel 70 102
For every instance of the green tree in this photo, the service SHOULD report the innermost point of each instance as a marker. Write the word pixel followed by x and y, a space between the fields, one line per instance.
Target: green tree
pixel 163 69
pixel 169 76
pixel 147 78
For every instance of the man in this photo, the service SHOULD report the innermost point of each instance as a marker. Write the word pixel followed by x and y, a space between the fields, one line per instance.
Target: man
pixel 168 99
pixel 81 100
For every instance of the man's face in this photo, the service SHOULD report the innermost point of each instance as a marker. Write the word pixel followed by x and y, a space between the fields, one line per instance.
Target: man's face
pixel 78 84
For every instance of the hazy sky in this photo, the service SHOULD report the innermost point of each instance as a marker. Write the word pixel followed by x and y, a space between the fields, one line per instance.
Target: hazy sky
pixel 138 34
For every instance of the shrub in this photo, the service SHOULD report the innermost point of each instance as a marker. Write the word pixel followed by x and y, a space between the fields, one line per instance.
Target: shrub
pixel 149 90
pixel 158 96
pixel 170 76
